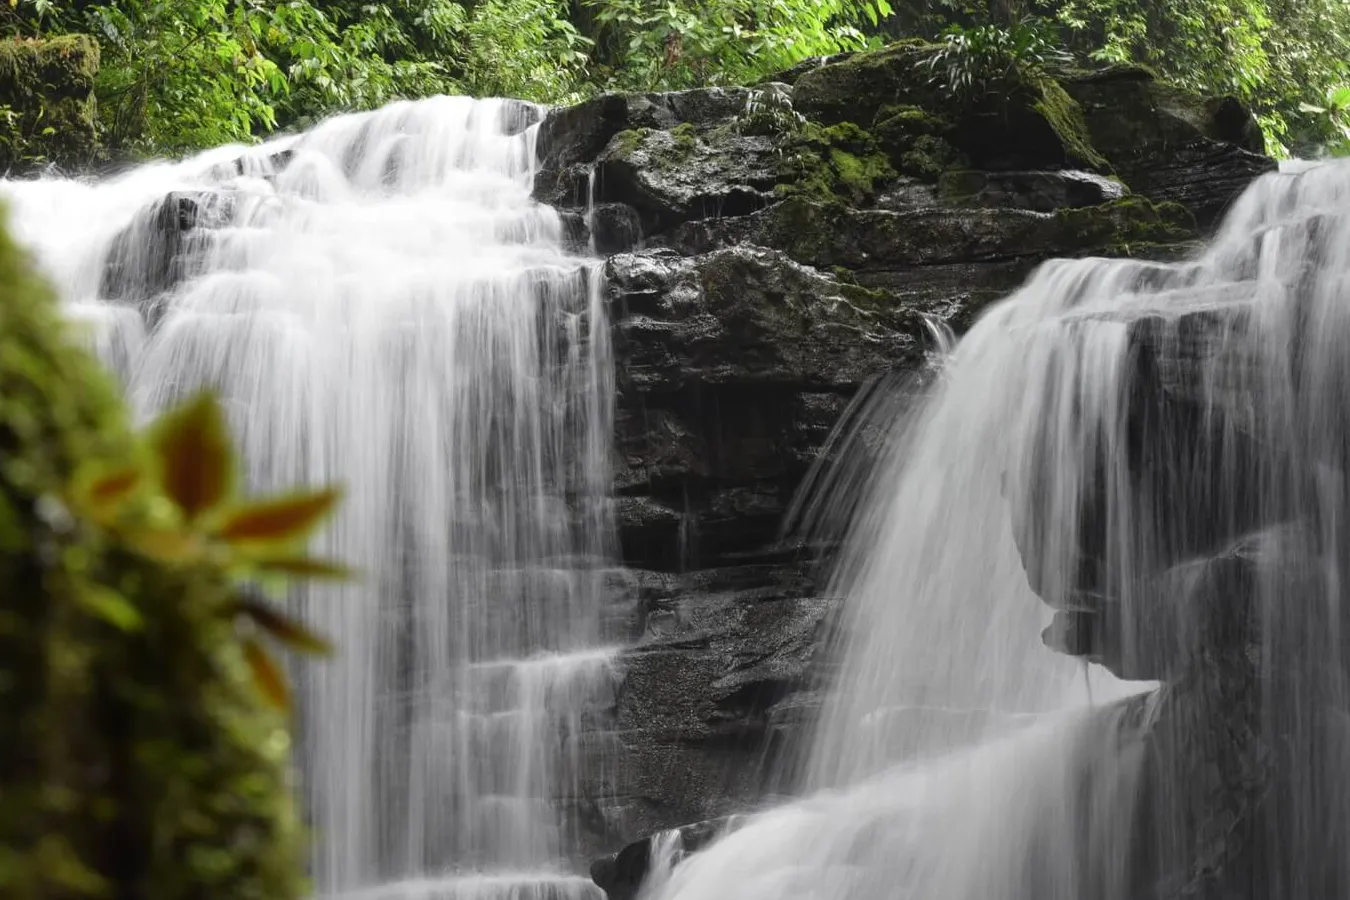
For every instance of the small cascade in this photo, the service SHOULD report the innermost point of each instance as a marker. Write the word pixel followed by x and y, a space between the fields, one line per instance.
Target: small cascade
pixel 381 305
pixel 1139 464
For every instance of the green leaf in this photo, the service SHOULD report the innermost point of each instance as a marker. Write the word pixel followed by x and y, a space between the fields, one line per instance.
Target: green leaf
pixel 282 520
pixel 195 458
pixel 267 676
pixel 111 607
pixel 284 629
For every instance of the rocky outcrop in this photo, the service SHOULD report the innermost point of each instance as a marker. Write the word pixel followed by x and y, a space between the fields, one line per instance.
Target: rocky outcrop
pixel 770 250
pixel 47 91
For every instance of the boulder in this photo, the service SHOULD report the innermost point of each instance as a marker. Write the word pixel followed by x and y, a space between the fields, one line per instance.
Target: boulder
pixel 1170 145
pixel 157 250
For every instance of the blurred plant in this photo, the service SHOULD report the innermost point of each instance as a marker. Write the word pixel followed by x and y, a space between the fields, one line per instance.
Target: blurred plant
pixel 177 507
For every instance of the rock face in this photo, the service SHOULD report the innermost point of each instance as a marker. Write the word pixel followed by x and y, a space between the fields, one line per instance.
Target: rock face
pixel 770 250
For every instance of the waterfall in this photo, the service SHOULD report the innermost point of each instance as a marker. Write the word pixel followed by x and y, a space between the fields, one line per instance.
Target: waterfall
pixel 380 304
pixel 1145 463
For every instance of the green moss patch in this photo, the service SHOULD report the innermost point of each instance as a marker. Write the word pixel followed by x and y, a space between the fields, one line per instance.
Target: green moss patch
pixel 47 107
pixel 833 162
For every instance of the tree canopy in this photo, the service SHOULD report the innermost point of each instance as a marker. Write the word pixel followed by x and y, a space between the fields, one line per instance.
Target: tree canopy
pixel 183 74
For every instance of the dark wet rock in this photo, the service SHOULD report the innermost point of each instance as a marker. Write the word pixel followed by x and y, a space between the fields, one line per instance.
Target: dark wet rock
pixel 863 239
pixel 672 176
pixel 747 315
pixel 572 138
pixel 620 875
pixel 158 249
pixel 1039 191
pixel 1170 145
pixel 720 673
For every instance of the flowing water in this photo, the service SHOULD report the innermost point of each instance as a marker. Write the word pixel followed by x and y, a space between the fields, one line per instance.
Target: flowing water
pixel 1123 436
pixel 380 304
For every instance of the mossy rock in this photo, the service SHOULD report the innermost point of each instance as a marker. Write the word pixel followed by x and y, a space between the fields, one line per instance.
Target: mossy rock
pixel 830 234
pixel 138 759
pixel 673 175
pixel 839 161
pixel 1028 122
pixel 859 87
pixel 47 91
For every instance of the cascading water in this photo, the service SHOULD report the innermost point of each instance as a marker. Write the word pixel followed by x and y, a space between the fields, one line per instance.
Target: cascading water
pixel 381 305
pixel 1160 452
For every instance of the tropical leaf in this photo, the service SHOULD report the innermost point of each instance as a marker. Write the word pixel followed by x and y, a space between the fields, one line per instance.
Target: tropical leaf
pixel 111 607
pixel 196 461
pixel 282 520
pixel 284 629
pixel 267 676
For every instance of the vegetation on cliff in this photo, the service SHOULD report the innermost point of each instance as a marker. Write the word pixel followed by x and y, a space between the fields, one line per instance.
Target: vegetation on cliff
pixel 183 75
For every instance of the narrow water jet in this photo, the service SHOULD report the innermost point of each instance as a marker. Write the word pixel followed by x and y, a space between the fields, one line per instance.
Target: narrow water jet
pixel 380 304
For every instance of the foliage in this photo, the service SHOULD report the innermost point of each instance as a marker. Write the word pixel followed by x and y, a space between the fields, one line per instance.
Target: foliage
pixel 1335 113
pixel 1274 55
pixel 645 44
pixel 976 61
pixel 139 757
pixel 183 74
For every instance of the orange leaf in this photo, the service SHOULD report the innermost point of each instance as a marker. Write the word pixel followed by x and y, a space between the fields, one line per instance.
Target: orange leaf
pixel 288 631
pixel 279 520
pixel 114 486
pixel 267 676
pixel 196 461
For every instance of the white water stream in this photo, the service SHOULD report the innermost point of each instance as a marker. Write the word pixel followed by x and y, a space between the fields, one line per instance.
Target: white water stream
pixel 381 304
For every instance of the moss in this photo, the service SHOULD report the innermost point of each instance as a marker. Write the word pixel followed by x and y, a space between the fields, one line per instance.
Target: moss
pixel 61 65
pixel 46 91
pixel 630 141
pixel 1065 117
pixel 1130 226
pixel 137 761
pixel 839 161
pixel 686 137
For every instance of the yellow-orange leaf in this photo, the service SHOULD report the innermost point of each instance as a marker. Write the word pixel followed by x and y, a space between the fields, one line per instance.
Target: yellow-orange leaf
pixel 302 567
pixel 281 520
pixel 171 547
pixel 196 462
pixel 267 676
pixel 287 630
